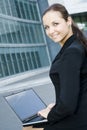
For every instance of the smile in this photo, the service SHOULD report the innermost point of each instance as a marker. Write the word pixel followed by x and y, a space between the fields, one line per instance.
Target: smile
pixel 54 36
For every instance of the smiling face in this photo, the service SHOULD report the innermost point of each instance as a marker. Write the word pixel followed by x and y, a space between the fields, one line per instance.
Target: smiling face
pixel 56 27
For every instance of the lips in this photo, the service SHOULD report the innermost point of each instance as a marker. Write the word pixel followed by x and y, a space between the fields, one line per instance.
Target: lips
pixel 54 36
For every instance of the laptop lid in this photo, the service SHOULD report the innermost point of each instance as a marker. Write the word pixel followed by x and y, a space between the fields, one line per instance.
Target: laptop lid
pixel 25 104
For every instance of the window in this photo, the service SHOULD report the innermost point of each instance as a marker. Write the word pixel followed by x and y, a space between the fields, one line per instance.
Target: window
pixel 22 41
pixel 81 19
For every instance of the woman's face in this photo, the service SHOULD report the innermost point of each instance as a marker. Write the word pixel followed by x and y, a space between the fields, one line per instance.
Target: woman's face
pixel 56 27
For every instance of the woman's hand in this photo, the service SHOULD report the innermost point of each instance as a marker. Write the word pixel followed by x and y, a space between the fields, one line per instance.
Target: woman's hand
pixel 44 113
pixel 50 106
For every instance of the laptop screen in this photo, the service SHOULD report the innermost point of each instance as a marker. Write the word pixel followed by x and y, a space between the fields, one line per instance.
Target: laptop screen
pixel 26 103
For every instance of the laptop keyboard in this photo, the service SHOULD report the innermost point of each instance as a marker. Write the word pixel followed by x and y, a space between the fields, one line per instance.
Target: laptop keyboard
pixel 33 118
pixel 38 118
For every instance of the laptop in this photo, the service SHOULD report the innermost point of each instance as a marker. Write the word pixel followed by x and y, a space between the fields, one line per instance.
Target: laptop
pixel 26 104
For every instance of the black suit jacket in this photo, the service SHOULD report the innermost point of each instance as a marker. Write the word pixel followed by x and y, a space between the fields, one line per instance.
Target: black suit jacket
pixel 69 76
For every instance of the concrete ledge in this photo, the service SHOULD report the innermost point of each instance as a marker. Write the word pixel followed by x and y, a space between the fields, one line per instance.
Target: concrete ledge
pixel 19 77
pixel 8 119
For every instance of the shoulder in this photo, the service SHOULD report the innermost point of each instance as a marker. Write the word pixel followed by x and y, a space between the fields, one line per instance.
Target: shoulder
pixel 76 48
pixel 74 53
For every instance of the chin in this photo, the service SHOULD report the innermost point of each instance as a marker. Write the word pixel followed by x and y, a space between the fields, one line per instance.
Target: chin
pixel 56 41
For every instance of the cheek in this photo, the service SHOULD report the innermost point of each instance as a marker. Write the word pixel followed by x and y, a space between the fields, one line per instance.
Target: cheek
pixel 60 28
pixel 64 29
pixel 47 33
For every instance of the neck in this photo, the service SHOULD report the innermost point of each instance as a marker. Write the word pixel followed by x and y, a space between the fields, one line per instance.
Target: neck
pixel 65 38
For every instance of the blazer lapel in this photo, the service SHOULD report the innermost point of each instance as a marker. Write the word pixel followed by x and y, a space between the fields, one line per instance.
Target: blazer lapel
pixel 66 45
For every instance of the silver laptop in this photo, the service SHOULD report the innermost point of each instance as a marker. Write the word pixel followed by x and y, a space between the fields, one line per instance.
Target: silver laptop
pixel 26 104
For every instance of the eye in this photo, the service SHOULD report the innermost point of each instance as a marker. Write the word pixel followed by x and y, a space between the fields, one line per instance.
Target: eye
pixel 55 24
pixel 46 27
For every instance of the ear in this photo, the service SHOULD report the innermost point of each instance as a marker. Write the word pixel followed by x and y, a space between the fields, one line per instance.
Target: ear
pixel 69 21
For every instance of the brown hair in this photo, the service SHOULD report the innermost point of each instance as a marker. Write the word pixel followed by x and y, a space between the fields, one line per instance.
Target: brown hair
pixel 79 34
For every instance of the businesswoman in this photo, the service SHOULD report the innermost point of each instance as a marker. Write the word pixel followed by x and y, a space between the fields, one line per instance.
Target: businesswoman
pixel 68 72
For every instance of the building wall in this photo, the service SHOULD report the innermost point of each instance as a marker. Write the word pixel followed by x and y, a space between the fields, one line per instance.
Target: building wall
pixel 23 44
pixel 76 6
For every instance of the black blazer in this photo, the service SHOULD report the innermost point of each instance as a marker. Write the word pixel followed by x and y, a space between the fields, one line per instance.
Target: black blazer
pixel 69 76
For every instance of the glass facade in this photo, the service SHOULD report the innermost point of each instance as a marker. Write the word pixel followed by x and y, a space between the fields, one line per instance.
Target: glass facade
pixel 81 19
pixel 22 41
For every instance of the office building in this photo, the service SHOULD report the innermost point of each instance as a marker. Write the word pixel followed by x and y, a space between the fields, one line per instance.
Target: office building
pixel 23 45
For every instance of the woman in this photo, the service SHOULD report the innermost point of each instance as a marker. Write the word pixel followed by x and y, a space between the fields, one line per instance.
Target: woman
pixel 68 72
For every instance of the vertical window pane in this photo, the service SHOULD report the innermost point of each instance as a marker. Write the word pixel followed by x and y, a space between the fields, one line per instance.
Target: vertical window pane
pixel 34 60
pixel 15 63
pixel 18 32
pixel 27 10
pixel 36 12
pixel 13 33
pixel 20 62
pixel 7 5
pixel 22 9
pixel 0 38
pixel 32 34
pixel 29 60
pixel 3 33
pixel 1 30
pixel 9 62
pixel 7 28
pixel 38 59
pixel 23 33
pixel 1 68
pixel 24 61
pixel 5 68
pixel 13 8
pixel 31 11
pixel 27 33
pixel 2 7
pixel 40 34
pixel 17 8
pixel 1 73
